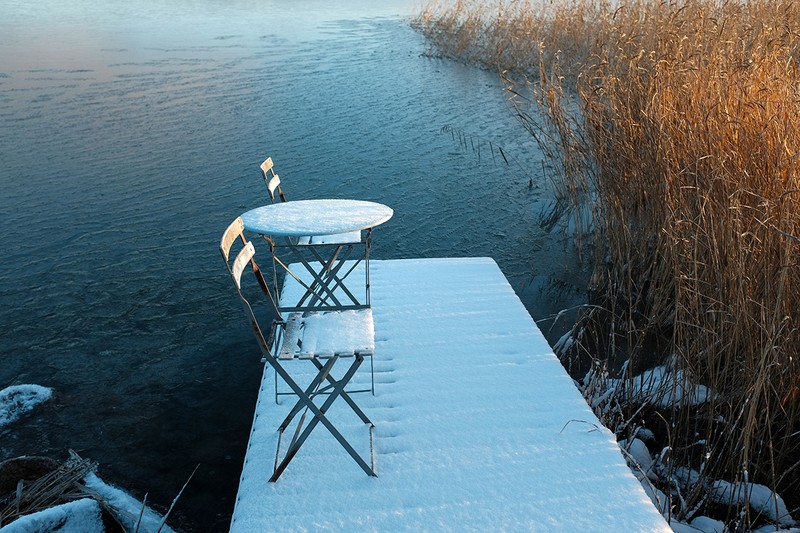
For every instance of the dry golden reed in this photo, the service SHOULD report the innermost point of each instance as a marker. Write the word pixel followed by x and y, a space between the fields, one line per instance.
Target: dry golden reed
pixel 678 128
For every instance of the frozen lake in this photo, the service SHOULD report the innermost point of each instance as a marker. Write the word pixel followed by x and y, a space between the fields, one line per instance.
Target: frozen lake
pixel 130 136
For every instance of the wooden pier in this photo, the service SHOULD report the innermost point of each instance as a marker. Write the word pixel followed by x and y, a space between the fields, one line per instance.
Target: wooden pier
pixel 477 425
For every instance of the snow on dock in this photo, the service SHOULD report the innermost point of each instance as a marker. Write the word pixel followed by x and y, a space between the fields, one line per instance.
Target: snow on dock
pixel 477 425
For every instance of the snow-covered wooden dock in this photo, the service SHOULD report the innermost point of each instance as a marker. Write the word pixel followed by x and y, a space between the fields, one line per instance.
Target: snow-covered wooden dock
pixel 477 425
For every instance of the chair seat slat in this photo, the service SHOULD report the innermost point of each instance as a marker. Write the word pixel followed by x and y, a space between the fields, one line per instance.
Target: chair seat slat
pixel 323 334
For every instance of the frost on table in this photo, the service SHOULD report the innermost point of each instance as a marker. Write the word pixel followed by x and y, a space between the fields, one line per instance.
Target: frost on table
pixel 477 425
pixel 316 217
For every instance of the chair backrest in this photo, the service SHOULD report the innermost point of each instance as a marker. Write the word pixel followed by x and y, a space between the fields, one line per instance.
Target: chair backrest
pixel 272 180
pixel 235 231
pixel 244 257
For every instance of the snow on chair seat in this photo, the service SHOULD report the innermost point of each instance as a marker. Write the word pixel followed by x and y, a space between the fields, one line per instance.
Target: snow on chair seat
pixel 323 334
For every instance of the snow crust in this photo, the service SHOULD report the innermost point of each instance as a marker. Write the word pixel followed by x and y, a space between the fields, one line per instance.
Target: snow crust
pixel 17 400
pixel 638 456
pixel 477 425
pixel 708 525
pixel 83 516
pixel 129 507
pixel 760 498
pixel 662 386
pixel 80 516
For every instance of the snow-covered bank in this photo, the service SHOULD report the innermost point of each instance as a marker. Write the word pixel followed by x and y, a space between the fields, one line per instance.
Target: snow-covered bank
pixel 653 469
pixel 80 516
pixel 74 497
pixel 84 515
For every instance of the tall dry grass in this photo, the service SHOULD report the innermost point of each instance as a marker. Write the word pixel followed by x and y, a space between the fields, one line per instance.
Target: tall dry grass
pixel 677 125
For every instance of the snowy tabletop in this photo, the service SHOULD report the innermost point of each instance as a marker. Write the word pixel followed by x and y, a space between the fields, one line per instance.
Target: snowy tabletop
pixel 477 425
pixel 315 217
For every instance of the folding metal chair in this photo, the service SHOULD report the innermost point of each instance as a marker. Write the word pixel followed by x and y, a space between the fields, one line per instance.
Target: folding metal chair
pixel 290 341
pixel 273 183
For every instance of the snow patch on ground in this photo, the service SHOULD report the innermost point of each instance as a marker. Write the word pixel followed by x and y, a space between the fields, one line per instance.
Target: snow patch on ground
pixel 708 525
pixel 770 528
pixel 80 516
pixel 17 400
pixel 638 457
pixel 127 506
pixel 760 498
pixel 661 386
pixel 83 516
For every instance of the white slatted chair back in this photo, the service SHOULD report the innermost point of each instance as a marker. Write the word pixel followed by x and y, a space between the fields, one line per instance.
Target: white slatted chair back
pixel 272 180
pixel 244 257
pixel 235 231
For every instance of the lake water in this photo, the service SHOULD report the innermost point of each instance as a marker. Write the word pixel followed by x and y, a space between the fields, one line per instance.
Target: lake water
pixel 130 136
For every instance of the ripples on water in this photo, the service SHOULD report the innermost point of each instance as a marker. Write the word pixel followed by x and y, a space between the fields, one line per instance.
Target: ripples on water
pixel 130 136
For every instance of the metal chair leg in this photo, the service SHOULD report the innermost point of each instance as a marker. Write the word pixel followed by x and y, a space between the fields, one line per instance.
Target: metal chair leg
pixel 320 417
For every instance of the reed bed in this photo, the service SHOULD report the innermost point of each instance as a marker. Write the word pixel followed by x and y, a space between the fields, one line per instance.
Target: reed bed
pixel 677 129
